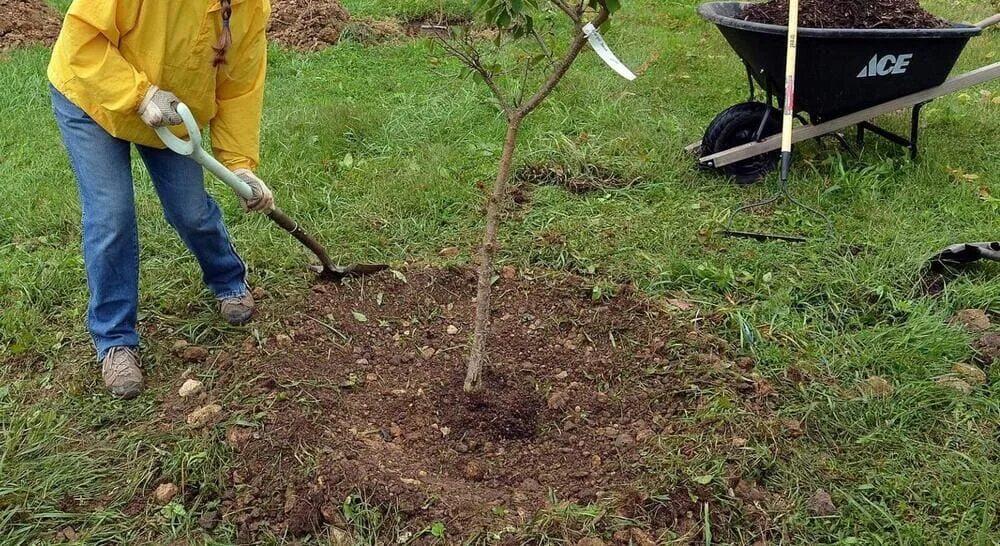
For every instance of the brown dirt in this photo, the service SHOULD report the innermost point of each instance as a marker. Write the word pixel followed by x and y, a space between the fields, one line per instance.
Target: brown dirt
pixel 368 398
pixel 379 31
pixel 865 14
pixel 307 25
pixel 581 178
pixel 25 22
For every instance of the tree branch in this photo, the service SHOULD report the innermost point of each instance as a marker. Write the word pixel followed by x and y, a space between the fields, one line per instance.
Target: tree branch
pixel 567 61
pixel 473 61
pixel 565 8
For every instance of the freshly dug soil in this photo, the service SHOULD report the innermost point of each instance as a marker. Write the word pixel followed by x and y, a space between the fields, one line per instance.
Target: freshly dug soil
pixel 307 25
pixel 364 395
pixel 24 22
pixel 864 14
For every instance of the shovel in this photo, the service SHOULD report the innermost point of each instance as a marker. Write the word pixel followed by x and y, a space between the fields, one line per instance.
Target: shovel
pixel 327 271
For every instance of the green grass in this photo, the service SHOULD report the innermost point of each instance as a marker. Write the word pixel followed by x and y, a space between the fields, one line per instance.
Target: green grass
pixel 918 467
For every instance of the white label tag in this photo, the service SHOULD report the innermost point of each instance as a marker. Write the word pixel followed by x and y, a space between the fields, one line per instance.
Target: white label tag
pixel 604 52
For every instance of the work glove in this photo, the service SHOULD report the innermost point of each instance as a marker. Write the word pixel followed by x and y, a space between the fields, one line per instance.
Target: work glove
pixel 263 199
pixel 159 108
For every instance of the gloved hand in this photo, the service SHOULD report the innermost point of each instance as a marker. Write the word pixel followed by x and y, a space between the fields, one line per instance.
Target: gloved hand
pixel 263 199
pixel 159 108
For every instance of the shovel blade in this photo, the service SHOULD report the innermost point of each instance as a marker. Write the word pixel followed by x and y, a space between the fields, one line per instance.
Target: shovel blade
pixel 337 274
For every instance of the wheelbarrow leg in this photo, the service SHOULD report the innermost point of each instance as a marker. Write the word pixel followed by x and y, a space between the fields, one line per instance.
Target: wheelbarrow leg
pixel 915 129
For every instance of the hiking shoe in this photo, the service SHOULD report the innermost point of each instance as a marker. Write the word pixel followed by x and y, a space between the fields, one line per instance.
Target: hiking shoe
pixel 238 310
pixel 122 372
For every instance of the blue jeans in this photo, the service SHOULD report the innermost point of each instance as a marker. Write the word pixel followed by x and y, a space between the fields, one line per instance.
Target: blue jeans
pixel 103 168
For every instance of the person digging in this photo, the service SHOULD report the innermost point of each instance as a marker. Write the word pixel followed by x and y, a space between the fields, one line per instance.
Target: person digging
pixel 118 71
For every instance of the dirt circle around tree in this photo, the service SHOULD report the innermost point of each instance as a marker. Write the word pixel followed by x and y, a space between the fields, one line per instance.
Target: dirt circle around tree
pixel 27 22
pixel 363 395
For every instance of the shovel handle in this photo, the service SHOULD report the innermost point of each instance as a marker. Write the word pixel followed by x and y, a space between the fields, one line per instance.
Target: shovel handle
pixel 989 21
pixel 192 148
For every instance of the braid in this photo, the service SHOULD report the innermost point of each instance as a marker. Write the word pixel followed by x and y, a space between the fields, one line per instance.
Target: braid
pixel 226 38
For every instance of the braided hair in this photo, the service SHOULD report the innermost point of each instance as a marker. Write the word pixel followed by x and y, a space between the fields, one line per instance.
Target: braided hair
pixel 226 38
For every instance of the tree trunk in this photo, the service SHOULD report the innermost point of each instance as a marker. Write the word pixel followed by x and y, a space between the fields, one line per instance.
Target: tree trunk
pixel 495 207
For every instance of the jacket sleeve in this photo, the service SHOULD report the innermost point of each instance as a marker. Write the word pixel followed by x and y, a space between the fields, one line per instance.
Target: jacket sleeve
pixel 92 29
pixel 239 97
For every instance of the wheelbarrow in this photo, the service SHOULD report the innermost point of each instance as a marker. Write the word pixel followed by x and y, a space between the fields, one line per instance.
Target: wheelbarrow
pixel 846 77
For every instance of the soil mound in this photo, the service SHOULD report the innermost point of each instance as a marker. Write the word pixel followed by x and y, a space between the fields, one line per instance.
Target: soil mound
pixel 364 394
pixel 25 22
pixel 864 14
pixel 307 25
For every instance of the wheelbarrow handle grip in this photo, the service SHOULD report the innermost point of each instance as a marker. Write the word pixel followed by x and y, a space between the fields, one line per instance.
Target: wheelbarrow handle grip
pixel 192 148
pixel 989 21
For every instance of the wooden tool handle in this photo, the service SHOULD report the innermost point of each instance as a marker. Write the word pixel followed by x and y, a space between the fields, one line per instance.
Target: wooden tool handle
pixel 988 22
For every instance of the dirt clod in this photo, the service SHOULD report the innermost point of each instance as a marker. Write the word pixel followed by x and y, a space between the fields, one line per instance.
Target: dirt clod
pixel 204 415
pixel 69 534
pixel 988 349
pixel 307 25
pixel 165 493
pixel 194 354
pixel 973 320
pixel 864 14
pixel 238 437
pixel 877 386
pixel 955 383
pixel 590 542
pixel 557 400
pixel 191 387
pixel 209 520
pixel 821 504
pixel 969 373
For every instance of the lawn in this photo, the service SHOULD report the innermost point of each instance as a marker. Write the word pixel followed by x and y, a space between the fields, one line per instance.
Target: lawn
pixel 377 148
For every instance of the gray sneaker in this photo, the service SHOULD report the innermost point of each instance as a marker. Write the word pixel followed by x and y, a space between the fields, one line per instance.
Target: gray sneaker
pixel 238 310
pixel 122 372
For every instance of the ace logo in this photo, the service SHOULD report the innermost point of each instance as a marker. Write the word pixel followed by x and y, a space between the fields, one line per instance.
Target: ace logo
pixel 884 66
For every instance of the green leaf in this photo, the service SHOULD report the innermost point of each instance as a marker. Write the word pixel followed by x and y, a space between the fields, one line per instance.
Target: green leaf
pixel 704 480
pixel 437 530
pixel 360 317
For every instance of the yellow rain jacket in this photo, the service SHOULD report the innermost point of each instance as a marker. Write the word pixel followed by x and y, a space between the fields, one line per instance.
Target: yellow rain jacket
pixel 110 51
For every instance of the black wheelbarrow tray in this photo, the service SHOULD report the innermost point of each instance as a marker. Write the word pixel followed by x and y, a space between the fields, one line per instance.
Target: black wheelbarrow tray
pixel 845 77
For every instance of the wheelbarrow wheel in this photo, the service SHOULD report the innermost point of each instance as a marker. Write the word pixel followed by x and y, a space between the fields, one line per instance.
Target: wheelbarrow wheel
pixel 737 126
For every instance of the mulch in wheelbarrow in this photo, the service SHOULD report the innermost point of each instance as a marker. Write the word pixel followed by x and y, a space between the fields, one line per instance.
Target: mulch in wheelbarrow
pixel 863 14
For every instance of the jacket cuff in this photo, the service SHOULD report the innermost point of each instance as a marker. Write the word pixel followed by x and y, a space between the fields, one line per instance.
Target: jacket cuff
pixel 140 96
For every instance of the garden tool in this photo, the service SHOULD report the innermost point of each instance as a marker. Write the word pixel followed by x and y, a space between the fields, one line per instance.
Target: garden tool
pixel 786 142
pixel 964 253
pixel 192 148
